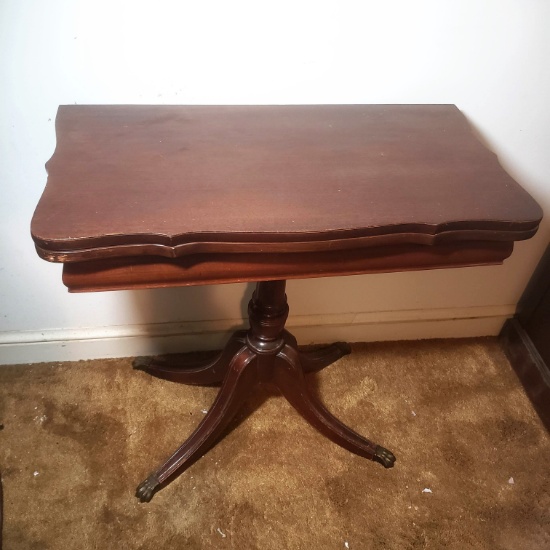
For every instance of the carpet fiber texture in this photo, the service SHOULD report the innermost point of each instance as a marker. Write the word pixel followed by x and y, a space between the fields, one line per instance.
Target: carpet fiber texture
pixel 472 466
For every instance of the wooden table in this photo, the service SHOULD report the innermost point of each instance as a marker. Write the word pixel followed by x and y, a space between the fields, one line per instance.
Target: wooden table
pixel 161 196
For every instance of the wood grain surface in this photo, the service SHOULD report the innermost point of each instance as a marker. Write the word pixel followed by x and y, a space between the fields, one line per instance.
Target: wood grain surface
pixel 199 269
pixel 179 180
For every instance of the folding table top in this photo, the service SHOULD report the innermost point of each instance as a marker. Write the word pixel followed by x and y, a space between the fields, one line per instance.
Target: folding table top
pixel 177 180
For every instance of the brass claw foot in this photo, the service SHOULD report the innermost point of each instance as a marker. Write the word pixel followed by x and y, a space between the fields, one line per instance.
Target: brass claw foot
pixel 147 488
pixel 385 457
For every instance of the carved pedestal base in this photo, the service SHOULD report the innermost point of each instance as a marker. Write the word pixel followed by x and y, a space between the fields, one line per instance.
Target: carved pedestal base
pixel 264 354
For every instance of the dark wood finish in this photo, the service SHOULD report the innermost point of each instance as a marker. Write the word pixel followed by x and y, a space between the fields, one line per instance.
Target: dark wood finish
pixel 266 354
pixel 202 373
pixel 158 196
pixel 150 271
pixel 178 180
pixel 526 339
pixel 536 319
pixel 529 366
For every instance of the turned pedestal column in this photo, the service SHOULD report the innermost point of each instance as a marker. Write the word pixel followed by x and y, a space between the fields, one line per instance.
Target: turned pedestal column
pixel 268 354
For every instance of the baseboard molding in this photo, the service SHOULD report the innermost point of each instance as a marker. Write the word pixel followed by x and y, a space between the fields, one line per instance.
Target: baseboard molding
pixel 131 340
pixel 530 367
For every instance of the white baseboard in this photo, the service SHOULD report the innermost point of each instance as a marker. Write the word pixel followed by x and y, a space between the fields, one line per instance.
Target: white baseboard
pixel 133 340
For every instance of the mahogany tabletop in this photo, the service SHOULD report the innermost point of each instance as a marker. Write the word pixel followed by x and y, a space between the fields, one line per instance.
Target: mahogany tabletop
pixel 169 181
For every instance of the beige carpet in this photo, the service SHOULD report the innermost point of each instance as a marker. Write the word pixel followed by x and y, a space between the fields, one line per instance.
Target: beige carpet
pixel 472 466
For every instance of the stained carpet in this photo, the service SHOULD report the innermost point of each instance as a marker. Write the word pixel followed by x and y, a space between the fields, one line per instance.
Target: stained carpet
pixel 472 466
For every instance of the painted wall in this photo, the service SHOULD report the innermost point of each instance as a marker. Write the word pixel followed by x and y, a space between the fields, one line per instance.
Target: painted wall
pixel 489 57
